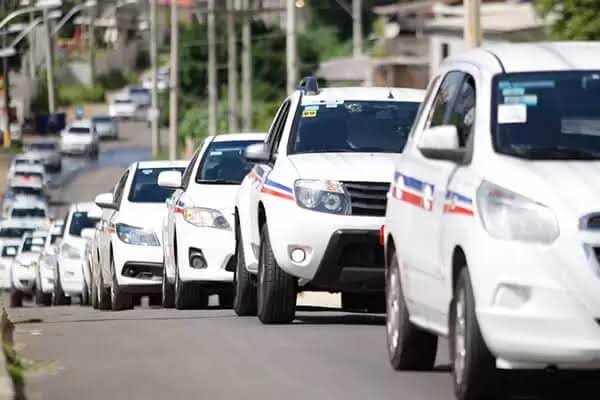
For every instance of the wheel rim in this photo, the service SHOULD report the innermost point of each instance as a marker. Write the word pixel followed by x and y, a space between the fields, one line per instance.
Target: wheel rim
pixel 460 348
pixel 393 310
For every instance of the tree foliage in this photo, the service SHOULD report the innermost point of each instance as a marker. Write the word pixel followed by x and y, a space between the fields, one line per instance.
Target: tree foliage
pixel 572 19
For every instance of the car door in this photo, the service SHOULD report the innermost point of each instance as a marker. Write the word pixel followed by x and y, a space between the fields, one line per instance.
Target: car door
pixel 422 186
pixel 250 190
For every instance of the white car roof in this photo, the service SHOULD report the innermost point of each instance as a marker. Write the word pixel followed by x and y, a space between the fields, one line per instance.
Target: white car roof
pixel 530 57
pixel 163 164
pixel 26 157
pixel 236 137
pixel 29 168
pixel 29 202
pixel 82 123
pixel 332 95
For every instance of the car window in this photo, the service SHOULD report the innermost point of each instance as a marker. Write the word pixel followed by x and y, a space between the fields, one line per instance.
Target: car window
pixel 278 132
pixel 187 175
pixel 424 104
pixel 442 104
pixel 224 163
pixel 273 130
pixel 79 221
pixel 118 192
pixel 12 233
pixel 9 251
pixel 353 126
pixel 42 146
pixel 463 112
pixel 33 245
pixel 145 189
pixel 28 213
pixel 80 130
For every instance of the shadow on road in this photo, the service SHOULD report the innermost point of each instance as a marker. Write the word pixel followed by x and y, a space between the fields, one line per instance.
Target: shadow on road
pixel 345 319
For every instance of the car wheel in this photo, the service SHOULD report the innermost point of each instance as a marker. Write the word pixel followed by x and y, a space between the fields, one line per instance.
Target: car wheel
pixel 244 300
pixel 118 300
pixel 103 295
pixel 168 291
pixel 59 298
pixel 473 365
pixel 276 292
pixel 85 295
pixel 41 298
pixel 409 348
pixel 94 294
pixel 189 295
pixel 16 298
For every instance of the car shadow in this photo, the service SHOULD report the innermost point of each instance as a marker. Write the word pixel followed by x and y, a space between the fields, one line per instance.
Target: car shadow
pixel 343 319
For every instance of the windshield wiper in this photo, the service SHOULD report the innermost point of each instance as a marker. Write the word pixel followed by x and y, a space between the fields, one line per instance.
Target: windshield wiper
pixel 555 152
pixel 218 181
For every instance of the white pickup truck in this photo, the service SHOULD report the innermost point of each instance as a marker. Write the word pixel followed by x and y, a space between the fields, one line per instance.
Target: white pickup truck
pixel 308 214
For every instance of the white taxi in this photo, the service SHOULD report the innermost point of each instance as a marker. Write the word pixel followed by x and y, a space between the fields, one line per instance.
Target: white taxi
pixel 492 230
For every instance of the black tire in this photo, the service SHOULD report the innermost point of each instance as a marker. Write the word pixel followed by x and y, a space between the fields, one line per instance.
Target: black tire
pixel 409 348
pixel 189 295
pixel 478 378
pixel 103 295
pixel 226 298
pixel 41 298
pixel 118 299
pixel 85 295
pixel 244 299
pixel 59 298
pixel 94 294
pixel 155 300
pixel 16 298
pixel 369 302
pixel 276 292
pixel 167 292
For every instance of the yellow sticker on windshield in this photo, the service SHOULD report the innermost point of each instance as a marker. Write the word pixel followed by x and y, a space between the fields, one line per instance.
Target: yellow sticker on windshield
pixel 309 113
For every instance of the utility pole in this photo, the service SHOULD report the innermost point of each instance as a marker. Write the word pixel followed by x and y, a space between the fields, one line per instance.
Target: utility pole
pixel 212 71
pixel 247 67
pixel 154 64
pixel 174 94
pixel 6 80
pixel 232 73
pixel 472 30
pixel 49 63
pixel 92 42
pixel 291 46
pixel 31 38
pixel 357 28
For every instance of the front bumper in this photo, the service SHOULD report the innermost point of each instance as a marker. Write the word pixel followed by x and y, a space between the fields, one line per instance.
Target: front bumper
pixel 71 275
pixel 23 278
pixel 342 251
pixel 76 149
pixel 536 305
pixel 138 268
pixel 217 246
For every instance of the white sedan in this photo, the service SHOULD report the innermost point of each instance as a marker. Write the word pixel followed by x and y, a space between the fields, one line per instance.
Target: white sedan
pixel 198 238
pixel 44 282
pixel 80 138
pixel 130 254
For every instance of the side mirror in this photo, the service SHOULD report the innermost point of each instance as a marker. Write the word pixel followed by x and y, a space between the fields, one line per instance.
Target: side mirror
pixel 88 233
pixel 105 200
pixel 441 143
pixel 257 153
pixel 170 179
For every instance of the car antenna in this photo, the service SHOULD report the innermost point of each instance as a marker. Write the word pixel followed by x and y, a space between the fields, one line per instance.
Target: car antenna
pixel 390 95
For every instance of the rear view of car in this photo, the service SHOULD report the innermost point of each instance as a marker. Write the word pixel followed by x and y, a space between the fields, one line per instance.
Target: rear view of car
pixel 105 126
pixel 48 153
pixel 80 138
pixel 30 215
pixel 122 108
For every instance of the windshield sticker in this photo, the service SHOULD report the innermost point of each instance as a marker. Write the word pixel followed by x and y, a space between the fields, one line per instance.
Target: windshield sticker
pixel 513 91
pixel 528 99
pixel 309 113
pixel 527 84
pixel 146 171
pixel 311 108
pixel 354 107
pixel 512 113
pixel 334 104
pixel 216 153
pixel 580 126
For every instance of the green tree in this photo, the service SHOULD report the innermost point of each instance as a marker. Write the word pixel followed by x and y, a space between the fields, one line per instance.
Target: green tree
pixel 572 19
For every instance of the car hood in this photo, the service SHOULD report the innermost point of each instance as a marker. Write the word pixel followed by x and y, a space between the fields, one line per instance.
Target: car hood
pixel 538 180
pixel 218 197
pixel 76 139
pixel 144 215
pixel 353 167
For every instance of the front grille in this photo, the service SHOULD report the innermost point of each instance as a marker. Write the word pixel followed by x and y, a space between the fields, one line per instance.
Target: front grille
pixel 368 198
pixel 593 222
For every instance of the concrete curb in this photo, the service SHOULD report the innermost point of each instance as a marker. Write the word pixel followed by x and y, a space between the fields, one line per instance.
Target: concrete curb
pixel 12 385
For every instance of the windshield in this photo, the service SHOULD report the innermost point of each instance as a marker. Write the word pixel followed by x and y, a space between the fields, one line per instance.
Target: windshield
pixel 26 161
pixel 28 213
pixel 145 189
pixel 33 245
pixel 13 233
pixel 122 101
pixel 42 146
pixel 224 163
pixel 80 221
pixel 102 120
pixel 79 130
pixel 139 92
pixel 9 251
pixel 354 126
pixel 547 115
pixel 24 190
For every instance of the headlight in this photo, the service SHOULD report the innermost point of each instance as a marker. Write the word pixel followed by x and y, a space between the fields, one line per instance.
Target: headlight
pixel 205 217
pixel 507 215
pixel 69 251
pixel 323 196
pixel 136 236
